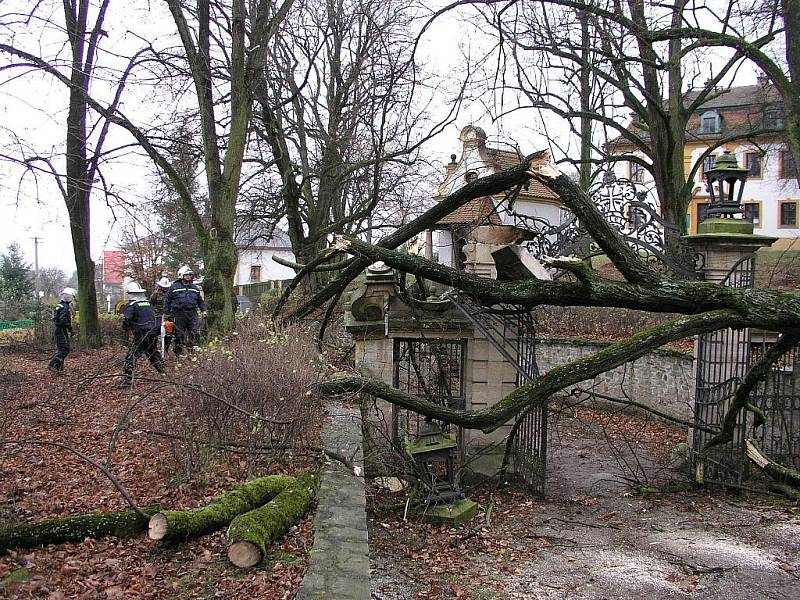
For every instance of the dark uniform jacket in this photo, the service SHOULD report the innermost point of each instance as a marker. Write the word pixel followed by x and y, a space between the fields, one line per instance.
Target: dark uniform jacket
pixel 62 317
pixel 140 317
pixel 183 297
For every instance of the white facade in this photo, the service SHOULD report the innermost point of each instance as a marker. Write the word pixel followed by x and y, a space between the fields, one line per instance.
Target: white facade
pixel 256 245
pixel 257 262
pixel 487 221
pixel 764 195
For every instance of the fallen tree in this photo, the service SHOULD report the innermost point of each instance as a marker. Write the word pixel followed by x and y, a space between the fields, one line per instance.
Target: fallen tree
pixel 706 306
pixel 187 524
pixel 75 529
pixel 787 481
pixel 249 533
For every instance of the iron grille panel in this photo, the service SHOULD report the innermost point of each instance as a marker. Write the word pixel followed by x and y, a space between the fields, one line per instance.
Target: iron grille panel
pixel 511 330
pixel 723 358
pixel 779 397
pixel 432 369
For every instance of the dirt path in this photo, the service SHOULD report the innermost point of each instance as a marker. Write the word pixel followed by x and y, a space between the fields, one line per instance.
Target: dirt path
pixel 591 539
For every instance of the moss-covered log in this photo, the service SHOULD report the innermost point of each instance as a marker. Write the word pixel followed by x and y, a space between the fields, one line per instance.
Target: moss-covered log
pixel 74 529
pixel 186 524
pixel 539 389
pixel 249 534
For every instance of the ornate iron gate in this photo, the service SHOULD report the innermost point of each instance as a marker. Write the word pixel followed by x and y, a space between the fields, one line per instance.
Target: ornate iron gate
pixel 778 396
pixel 432 369
pixel 511 330
pixel 723 358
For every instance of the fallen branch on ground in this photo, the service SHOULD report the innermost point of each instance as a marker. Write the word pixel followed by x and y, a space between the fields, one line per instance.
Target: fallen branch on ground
pixel 186 524
pixel 782 475
pixel 249 534
pixel 75 529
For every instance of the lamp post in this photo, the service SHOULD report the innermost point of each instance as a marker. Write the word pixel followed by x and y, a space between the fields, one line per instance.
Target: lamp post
pixel 725 184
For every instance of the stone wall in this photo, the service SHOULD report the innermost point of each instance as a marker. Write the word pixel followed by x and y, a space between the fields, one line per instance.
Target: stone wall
pixel 663 380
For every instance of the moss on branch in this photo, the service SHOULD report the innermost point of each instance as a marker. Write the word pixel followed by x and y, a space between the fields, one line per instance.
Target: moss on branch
pixel 186 524
pixel 541 388
pixel 75 529
pixel 775 310
pixel 250 533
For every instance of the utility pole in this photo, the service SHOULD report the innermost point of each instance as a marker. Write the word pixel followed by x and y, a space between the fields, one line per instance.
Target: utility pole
pixel 36 266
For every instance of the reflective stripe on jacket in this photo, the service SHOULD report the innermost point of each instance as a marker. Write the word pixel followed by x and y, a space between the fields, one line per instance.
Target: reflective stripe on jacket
pixel 183 297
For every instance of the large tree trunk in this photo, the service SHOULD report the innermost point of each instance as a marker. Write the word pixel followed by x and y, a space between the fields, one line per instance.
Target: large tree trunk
pixel 249 534
pixel 78 186
pixel 186 524
pixel 221 257
pixel 74 529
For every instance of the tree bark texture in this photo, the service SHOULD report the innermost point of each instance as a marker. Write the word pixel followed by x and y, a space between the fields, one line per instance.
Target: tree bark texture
pixel 74 529
pixel 250 533
pixel 187 524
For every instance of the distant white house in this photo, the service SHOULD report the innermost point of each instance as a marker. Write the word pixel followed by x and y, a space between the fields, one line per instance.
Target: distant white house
pixel 466 237
pixel 257 243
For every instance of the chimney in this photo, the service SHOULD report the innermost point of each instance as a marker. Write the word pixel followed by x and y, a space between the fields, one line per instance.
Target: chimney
pixel 451 166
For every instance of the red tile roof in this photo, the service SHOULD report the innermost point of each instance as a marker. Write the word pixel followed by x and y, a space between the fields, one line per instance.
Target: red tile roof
pixel 479 211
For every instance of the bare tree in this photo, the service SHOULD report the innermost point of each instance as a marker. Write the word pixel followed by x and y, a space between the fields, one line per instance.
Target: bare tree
pixel 704 307
pixel 81 27
pixel 337 107
pixel 51 281
pixel 642 60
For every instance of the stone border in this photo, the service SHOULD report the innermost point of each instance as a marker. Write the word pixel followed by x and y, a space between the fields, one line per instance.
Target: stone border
pixel 338 567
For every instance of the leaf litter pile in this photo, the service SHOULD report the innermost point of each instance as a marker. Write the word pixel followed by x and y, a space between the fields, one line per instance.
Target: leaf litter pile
pixel 81 409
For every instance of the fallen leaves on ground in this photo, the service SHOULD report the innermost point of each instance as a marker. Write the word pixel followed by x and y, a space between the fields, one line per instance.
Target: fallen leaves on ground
pixel 82 408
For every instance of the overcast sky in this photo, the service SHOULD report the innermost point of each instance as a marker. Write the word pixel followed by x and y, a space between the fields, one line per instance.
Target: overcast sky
pixel 33 108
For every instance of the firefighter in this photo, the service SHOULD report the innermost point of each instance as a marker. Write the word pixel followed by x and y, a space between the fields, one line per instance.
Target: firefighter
pixel 62 328
pixel 157 300
pixel 181 304
pixel 140 319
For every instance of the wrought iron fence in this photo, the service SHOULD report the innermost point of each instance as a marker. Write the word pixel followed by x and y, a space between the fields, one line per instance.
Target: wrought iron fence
pixel 723 358
pixel 432 369
pixel 778 396
pixel 626 208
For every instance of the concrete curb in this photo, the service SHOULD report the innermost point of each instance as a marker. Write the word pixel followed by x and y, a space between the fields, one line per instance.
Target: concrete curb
pixel 339 561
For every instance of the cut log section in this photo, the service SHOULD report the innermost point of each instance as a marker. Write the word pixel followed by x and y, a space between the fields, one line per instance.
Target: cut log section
pixel 249 534
pixel 187 524
pixel 75 529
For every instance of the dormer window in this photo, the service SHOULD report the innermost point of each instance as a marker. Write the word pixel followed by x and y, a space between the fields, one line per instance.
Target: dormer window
pixel 471 176
pixel 710 122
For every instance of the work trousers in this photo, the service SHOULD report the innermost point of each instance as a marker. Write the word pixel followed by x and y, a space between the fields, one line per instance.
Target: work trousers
pixel 143 343
pixel 187 329
pixel 62 343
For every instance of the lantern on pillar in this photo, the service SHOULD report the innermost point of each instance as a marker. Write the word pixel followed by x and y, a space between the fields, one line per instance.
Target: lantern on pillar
pixel 725 184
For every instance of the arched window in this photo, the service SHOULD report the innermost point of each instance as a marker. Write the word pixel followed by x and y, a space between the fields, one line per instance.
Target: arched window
pixel 471 176
pixel 710 122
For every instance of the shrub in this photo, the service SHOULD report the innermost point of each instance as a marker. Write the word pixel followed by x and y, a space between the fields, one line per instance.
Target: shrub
pixel 251 393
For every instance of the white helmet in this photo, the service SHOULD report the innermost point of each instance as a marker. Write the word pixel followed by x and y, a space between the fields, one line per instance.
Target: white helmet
pixel 185 270
pixel 164 282
pixel 68 294
pixel 134 288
